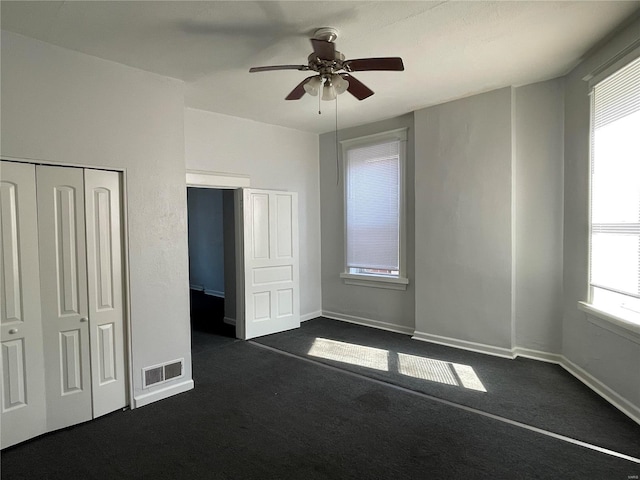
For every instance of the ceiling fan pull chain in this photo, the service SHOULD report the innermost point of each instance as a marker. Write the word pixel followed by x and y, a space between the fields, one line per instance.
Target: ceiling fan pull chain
pixel 337 151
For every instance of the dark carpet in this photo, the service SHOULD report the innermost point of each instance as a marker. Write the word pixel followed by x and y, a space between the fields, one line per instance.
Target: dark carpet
pixel 256 414
pixel 207 322
pixel 539 394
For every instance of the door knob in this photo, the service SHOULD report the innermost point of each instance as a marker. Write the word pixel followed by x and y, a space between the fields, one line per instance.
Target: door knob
pixel 84 319
pixel 13 330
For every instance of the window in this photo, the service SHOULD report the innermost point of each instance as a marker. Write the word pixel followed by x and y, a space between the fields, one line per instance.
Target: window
pixel 374 210
pixel 615 193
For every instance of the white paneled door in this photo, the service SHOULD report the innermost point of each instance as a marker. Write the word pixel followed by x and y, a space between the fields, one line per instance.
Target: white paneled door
pixel 63 277
pixel 22 387
pixel 269 260
pixel 106 310
pixel 63 356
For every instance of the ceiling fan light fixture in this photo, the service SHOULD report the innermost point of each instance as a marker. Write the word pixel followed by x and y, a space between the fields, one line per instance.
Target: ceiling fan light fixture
pixel 339 83
pixel 312 87
pixel 329 91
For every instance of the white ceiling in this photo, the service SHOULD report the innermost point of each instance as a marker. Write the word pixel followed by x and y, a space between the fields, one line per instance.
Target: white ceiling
pixel 450 49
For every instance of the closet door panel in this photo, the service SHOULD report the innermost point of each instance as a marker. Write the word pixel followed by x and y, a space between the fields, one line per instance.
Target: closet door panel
pixel 63 277
pixel 23 410
pixel 104 267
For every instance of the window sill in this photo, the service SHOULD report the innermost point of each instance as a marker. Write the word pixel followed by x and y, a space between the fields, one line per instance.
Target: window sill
pixel 375 281
pixel 621 322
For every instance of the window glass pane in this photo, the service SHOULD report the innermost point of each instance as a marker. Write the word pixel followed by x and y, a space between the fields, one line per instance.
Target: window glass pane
pixel 615 187
pixel 614 261
pixel 373 208
pixel 616 172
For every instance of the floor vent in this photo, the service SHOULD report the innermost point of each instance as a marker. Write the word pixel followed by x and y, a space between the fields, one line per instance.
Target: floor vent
pixel 173 370
pixel 162 373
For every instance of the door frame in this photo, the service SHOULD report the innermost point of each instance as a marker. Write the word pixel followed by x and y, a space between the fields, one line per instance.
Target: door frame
pixel 224 181
pixel 126 301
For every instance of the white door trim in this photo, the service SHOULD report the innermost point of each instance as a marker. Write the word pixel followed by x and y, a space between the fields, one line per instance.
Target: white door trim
pixel 226 181
pixel 198 178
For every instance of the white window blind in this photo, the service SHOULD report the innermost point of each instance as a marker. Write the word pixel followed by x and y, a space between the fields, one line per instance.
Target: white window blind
pixel 615 184
pixel 373 207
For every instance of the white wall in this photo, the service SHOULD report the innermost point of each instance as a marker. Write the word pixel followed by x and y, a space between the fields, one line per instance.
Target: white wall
pixel 390 309
pixel 609 356
pixel 539 157
pixel 275 158
pixel 69 108
pixel 463 221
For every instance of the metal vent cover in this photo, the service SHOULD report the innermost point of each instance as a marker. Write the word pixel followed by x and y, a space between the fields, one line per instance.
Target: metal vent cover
pixel 152 376
pixel 162 373
pixel 173 370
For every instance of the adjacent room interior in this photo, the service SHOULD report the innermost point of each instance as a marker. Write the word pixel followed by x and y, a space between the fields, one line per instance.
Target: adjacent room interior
pixel 211 234
pixel 335 265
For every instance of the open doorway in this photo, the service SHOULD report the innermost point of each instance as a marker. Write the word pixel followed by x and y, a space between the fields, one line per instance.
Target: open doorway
pixel 212 271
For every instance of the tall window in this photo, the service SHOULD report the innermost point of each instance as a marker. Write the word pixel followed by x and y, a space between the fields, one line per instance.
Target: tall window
pixel 374 208
pixel 615 190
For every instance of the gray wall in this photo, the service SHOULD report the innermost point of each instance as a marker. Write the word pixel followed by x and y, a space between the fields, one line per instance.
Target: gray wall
pixel 229 222
pixel 484 224
pixel 390 309
pixel 74 109
pixel 606 354
pixel 539 140
pixel 274 158
pixel 206 240
pixel 463 221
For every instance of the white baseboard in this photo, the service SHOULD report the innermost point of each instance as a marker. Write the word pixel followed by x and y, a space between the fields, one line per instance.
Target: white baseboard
pixel 162 393
pixel 310 316
pixel 464 344
pixel 229 321
pixel 391 327
pixel 615 399
pixel 200 288
pixel 537 355
pixel 214 293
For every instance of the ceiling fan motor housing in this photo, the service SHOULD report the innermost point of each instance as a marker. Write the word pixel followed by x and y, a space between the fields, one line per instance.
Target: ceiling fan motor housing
pixel 326 66
pixel 328 34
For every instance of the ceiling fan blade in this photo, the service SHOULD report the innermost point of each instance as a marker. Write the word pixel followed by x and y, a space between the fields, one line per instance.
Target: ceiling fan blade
pixel 384 63
pixel 356 87
pixel 298 92
pixel 278 67
pixel 323 49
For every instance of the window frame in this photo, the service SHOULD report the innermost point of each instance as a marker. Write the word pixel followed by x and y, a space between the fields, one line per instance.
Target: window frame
pixel 614 318
pixel 401 281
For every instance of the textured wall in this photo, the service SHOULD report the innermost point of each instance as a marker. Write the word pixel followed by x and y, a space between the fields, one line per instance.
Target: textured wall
pixel 69 108
pixel 539 155
pixel 463 219
pixel 274 158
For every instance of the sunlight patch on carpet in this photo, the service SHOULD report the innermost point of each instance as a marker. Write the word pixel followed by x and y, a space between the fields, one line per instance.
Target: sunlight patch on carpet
pixel 350 353
pixel 439 371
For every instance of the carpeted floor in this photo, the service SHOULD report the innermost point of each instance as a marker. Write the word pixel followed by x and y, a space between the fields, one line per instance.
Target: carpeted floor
pixel 257 414
pixel 535 393
pixel 207 322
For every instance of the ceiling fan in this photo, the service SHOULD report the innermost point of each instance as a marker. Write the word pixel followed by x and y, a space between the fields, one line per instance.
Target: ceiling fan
pixel 333 71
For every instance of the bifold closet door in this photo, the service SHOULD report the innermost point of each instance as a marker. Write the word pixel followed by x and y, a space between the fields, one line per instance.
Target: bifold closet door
pixel 63 278
pixel 23 413
pixel 106 310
